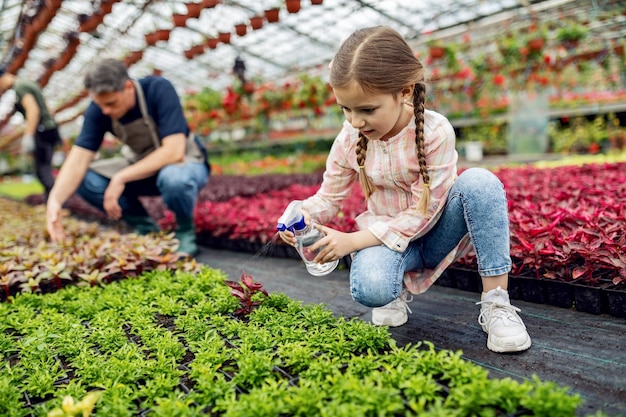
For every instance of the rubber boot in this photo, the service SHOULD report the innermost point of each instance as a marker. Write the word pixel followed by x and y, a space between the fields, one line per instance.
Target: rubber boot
pixel 186 234
pixel 142 225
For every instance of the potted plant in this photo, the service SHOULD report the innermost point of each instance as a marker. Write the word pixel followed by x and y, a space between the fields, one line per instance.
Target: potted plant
pixel 509 47
pixel 536 39
pixel 293 6
pixel 241 29
pixel 571 34
pixel 224 37
pixel 211 42
pixel 179 19
pixel 272 15
pixel 151 38
pixel 256 22
pixel 438 49
pixel 194 9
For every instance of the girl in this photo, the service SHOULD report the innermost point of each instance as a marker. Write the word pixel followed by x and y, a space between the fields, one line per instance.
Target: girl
pixel 420 216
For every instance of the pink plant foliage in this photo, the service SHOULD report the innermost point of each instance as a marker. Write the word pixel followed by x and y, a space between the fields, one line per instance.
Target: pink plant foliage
pixel 566 223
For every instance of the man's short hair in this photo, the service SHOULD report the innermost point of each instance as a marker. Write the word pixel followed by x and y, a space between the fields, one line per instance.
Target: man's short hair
pixel 106 76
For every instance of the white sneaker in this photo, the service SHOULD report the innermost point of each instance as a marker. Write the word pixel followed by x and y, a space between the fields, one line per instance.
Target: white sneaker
pixel 505 330
pixel 393 314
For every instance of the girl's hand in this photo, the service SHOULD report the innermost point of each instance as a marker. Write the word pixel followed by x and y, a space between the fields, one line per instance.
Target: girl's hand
pixel 335 245
pixel 288 237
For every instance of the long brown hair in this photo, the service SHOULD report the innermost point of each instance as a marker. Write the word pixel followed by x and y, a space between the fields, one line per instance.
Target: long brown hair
pixel 380 61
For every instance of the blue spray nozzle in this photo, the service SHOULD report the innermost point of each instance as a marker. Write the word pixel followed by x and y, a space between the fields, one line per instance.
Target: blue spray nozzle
pixel 292 219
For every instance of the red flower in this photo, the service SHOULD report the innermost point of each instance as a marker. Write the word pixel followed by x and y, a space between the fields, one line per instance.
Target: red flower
pixel 499 80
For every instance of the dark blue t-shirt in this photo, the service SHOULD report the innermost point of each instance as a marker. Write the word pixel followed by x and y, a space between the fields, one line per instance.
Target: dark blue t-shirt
pixel 163 106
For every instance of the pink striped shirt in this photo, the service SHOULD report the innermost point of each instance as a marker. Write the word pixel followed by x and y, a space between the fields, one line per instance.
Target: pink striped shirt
pixel 393 167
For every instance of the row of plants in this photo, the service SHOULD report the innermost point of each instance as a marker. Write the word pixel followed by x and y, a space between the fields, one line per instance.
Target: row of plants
pixel 574 235
pixel 565 135
pixel 575 135
pixel 258 105
pixel 561 217
pixel 566 222
pixel 89 255
pixel 575 62
pixel 189 344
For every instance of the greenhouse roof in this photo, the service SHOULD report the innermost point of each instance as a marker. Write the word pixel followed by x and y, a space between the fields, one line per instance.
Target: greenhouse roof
pixel 299 42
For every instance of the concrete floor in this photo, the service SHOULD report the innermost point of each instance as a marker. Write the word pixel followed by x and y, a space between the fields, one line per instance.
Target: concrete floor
pixel 582 351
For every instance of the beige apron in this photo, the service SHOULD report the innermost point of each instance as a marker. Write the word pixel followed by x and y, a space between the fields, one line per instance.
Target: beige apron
pixel 140 138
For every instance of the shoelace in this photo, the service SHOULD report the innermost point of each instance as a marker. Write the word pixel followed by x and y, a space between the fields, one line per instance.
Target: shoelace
pixel 406 297
pixel 508 310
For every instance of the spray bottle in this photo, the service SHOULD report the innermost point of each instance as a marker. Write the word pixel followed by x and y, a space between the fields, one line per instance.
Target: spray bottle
pixel 306 235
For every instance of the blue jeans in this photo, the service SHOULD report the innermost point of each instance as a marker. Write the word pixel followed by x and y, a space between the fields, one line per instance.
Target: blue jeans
pixel 178 184
pixel 477 205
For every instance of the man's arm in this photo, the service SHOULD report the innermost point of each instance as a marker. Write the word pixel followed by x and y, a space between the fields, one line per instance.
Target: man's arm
pixel 70 176
pixel 171 151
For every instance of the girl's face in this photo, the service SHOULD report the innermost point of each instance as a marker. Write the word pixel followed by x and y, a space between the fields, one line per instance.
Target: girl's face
pixel 377 116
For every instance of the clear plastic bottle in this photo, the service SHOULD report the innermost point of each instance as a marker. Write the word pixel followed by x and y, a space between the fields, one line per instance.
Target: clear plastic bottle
pixel 306 235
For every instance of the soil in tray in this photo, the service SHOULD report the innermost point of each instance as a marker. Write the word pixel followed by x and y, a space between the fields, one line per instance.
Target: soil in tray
pixel 590 299
pixel 559 293
pixel 528 288
pixel 467 279
pixel 616 300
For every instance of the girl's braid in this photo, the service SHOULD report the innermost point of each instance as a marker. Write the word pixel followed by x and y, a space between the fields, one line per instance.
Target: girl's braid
pixel 361 152
pixel 419 98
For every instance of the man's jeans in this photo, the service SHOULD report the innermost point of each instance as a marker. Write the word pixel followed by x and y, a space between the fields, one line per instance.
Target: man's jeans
pixel 178 184
pixel 476 204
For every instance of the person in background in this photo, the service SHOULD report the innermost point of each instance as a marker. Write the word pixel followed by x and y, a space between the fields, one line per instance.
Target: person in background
pixel 159 156
pixel 41 134
pixel 421 215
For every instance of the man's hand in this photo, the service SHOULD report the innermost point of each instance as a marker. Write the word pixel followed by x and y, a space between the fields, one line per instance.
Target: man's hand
pixel 28 143
pixel 53 221
pixel 111 198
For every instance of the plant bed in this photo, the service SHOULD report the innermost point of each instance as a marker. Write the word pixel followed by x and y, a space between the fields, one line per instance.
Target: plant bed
pixel 250 351
pixel 578 229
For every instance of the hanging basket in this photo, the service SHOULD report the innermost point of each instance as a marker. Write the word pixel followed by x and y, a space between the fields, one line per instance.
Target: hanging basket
pixel 211 43
pixel 163 34
pixel 241 29
pixel 151 38
pixel 180 20
pixel 436 52
pixel 536 44
pixel 106 6
pixel 224 37
pixel 272 15
pixel 256 22
pixel 194 9
pixel 293 6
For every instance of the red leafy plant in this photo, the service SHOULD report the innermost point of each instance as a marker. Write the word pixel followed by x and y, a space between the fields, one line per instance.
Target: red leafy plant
pixel 246 292
pixel 568 222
